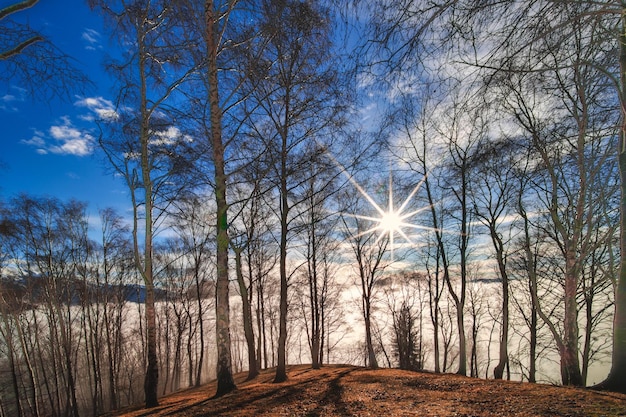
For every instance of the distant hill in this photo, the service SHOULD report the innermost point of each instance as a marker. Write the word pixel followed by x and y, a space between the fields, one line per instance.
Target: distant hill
pixel 22 293
pixel 354 391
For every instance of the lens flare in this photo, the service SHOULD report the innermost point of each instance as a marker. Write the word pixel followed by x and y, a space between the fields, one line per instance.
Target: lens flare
pixel 389 221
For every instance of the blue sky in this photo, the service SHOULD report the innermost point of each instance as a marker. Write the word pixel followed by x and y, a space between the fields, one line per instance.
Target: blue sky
pixel 49 148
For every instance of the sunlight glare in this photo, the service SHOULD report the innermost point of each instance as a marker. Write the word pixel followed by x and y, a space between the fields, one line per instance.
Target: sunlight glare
pixel 389 222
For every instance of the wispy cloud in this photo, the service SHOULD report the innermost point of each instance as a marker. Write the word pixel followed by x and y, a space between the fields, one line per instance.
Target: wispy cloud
pixel 8 102
pixel 101 107
pixel 62 139
pixel 37 141
pixel 92 38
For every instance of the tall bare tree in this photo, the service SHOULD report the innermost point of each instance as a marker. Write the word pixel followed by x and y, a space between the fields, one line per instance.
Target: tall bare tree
pixel 140 140
pixel 493 201
pixel 194 227
pixel 369 250
pixel 225 382
pixel 570 151
pixel 318 223
pixel 297 100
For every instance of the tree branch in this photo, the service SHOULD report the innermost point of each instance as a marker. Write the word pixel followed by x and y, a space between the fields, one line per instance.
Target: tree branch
pixel 17 7
pixel 20 47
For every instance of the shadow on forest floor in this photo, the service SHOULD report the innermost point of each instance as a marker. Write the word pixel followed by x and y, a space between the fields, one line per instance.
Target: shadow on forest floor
pixel 352 391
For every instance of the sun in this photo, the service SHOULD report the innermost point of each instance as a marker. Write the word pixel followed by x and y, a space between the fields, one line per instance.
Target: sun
pixel 390 221
pixel 387 222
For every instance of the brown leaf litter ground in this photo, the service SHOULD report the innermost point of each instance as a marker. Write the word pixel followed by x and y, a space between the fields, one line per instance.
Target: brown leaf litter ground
pixel 354 391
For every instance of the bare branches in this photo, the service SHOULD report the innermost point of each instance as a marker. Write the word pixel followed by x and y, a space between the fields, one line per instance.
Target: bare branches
pixel 30 61
pixel 17 49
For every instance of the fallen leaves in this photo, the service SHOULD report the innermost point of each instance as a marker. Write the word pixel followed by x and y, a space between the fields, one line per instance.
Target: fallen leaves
pixel 354 391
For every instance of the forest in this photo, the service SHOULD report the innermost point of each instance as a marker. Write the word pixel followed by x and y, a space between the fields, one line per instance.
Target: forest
pixel 423 185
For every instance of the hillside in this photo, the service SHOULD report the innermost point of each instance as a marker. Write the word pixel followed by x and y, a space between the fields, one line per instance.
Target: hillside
pixel 353 391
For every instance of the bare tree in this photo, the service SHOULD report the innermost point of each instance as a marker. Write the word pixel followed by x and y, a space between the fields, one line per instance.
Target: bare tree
pixel 246 303
pixel 49 243
pixel 296 99
pixel 140 141
pixel 528 38
pixel 493 201
pixel 318 223
pixel 193 226
pixel 569 151
pixel 418 151
pixel 30 60
pixel 406 301
pixel 368 250
pixel 115 264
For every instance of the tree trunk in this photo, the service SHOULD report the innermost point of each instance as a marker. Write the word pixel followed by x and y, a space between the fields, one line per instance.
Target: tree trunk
pixel 225 381
pixel 34 385
pixel 498 372
pixel 617 374
pixel 460 300
pixel 460 320
pixel 11 359
pixel 532 365
pixel 281 369
pixel 151 381
pixel 253 369
pixel 570 364
pixel 314 296
pixel 371 354
pixel 200 326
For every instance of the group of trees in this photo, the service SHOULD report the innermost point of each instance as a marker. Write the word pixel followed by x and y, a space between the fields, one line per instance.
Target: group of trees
pixel 235 130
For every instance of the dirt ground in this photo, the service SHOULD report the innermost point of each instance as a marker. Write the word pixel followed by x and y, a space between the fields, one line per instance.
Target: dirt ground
pixel 353 391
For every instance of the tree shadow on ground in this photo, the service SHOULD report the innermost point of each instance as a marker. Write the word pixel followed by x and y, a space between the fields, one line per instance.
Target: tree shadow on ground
pixel 353 391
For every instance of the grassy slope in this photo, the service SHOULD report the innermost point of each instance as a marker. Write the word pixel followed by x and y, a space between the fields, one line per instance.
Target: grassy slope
pixel 353 391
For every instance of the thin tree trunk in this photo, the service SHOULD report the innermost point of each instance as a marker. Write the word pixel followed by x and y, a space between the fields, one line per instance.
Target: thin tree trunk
pixel 34 386
pixel 247 318
pixel 200 325
pixel 371 354
pixel 570 363
pixel 11 358
pixel 151 381
pixel 281 369
pixel 225 381
pixel 314 291
pixel 617 374
pixel 498 372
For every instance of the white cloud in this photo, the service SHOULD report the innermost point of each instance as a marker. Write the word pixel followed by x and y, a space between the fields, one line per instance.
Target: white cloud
pixel 103 108
pixel 71 141
pixel 66 131
pixel 169 136
pixel 8 102
pixel 78 147
pixel 62 139
pixel 166 137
